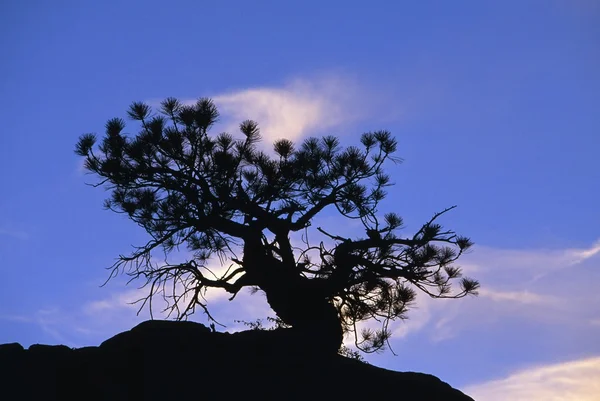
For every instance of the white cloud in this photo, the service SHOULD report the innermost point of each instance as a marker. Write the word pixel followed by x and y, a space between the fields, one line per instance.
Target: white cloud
pixel 124 301
pixel 580 255
pixel 302 107
pixel 523 297
pixel 541 261
pixel 114 301
pixel 419 316
pixel 577 380
pixel 97 320
pixel 550 287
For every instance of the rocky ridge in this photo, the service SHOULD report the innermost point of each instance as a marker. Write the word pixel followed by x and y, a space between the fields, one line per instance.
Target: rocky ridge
pixel 166 360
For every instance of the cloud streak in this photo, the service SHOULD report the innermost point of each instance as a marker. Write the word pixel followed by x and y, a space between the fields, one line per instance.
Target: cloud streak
pixel 299 108
pixel 576 380
pixel 532 285
pixel 523 297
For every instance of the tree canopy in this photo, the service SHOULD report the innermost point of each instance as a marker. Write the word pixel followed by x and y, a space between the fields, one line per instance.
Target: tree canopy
pixel 221 196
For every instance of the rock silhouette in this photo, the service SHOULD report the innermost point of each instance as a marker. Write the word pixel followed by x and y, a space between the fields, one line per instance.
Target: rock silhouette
pixel 167 360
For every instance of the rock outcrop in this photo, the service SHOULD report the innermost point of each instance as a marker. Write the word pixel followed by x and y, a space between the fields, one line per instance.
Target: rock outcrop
pixel 166 360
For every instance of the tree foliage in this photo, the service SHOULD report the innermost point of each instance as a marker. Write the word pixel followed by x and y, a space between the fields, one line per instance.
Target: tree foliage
pixel 220 196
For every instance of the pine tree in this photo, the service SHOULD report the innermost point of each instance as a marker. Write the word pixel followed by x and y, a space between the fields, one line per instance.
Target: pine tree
pixel 217 196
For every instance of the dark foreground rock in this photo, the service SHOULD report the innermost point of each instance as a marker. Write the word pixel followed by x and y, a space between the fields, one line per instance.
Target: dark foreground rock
pixel 165 360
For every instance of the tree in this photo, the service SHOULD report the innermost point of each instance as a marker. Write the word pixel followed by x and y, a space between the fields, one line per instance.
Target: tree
pixel 220 196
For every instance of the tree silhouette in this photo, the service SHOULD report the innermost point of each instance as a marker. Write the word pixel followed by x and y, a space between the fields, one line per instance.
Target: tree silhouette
pixel 222 196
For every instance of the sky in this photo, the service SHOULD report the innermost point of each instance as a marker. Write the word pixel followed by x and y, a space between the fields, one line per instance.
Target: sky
pixel 494 104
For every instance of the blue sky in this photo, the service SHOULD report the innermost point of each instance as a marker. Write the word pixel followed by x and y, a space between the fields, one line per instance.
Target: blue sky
pixel 495 106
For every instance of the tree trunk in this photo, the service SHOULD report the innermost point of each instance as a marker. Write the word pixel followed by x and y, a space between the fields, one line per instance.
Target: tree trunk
pixel 313 317
pixel 294 298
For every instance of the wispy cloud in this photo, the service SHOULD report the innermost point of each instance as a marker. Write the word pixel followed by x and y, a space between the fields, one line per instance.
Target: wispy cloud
pixel 296 109
pixel 304 106
pixel 96 320
pixel 542 261
pixel 318 104
pixel 568 381
pixel 580 255
pixel 523 297
pixel 535 285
